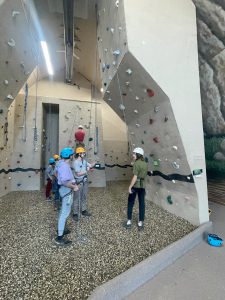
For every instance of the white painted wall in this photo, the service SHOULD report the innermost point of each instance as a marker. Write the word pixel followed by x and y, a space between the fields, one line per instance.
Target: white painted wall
pixel 162 35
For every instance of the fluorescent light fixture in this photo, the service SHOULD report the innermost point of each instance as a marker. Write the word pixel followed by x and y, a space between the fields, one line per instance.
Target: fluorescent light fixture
pixel 47 57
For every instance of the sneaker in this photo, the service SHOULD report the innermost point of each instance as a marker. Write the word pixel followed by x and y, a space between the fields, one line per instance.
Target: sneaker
pixel 85 213
pixel 62 242
pixel 75 217
pixel 140 225
pixel 128 224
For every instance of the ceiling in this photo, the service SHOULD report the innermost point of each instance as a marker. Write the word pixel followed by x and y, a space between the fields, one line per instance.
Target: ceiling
pixel 50 16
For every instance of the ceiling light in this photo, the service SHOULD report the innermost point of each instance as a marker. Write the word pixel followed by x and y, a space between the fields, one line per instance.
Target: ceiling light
pixel 47 57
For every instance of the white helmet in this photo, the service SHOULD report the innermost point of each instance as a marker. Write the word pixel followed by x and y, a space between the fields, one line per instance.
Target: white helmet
pixel 80 126
pixel 139 151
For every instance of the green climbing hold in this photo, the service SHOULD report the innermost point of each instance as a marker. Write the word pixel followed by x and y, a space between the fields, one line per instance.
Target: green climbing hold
pixel 145 132
pixel 156 163
pixel 142 142
pixel 90 139
pixel 169 199
pixel 146 159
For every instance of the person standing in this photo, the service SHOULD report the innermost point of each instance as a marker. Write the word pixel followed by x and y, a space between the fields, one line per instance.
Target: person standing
pixel 50 178
pixel 67 187
pixel 80 168
pixel 55 186
pixel 79 136
pixel 137 187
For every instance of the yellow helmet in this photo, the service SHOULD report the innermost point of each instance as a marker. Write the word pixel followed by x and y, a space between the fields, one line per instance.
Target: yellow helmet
pixel 80 150
pixel 56 156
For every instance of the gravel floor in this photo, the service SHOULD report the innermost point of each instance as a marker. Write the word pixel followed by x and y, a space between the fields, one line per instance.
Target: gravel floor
pixel 33 267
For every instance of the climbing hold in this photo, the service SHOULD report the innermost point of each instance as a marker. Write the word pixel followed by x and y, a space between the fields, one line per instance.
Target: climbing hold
pixel 15 13
pixel 10 178
pixel 166 119
pixel 103 67
pixel 108 92
pixel 114 63
pixel 1 111
pixel 124 94
pixel 146 159
pixel 19 184
pixel 137 98
pixel 145 132
pixel 175 148
pixel 6 82
pixel 117 3
pixel 112 30
pixel 129 71
pixel 169 199
pixel 138 125
pixel 156 109
pixel 109 99
pixel 156 139
pixel 21 155
pixel 116 52
pixel 173 181
pixel 151 121
pixel 18 162
pixel 106 50
pixel 66 117
pixel 188 177
pixel 175 165
pixel 122 107
pixel 107 66
pixel 128 83
pixel 9 97
pixel 136 111
pixel 132 133
pixel 120 28
pixel 90 139
pixel 150 92
pixel 11 43
pixel 156 163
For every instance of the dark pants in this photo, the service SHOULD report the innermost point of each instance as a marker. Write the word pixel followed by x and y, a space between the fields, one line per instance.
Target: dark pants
pixel 131 199
pixel 48 188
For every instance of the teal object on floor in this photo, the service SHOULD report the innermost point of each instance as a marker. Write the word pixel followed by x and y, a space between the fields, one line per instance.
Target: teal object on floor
pixel 214 240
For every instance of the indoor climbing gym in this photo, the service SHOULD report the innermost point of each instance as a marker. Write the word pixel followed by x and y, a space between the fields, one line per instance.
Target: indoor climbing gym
pixel 112 149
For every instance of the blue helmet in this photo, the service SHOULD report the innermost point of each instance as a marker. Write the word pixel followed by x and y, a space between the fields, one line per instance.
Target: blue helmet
pixel 214 240
pixel 51 161
pixel 66 153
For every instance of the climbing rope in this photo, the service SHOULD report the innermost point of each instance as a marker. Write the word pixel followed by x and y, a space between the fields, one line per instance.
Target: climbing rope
pixel 129 136
pixel 24 132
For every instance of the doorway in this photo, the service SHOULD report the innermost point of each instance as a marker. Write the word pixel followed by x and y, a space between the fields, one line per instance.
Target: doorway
pixel 50 133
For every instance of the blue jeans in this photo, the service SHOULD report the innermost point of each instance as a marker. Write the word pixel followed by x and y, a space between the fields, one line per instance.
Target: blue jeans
pixel 65 208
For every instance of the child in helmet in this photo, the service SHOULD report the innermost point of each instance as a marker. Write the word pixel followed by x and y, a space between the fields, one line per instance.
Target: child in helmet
pixel 67 187
pixel 50 178
pixel 137 187
pixel 80 168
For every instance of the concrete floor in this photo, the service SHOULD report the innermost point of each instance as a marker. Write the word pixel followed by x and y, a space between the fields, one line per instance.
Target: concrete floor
pixel 200 274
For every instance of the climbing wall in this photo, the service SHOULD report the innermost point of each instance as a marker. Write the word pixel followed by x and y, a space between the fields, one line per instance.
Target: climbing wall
pixel 153 118
pixel 16 63
pixel 27 159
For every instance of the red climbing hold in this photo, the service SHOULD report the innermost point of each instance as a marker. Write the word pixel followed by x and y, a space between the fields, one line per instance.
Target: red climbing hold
pixel 18 161
pixel 150 93
pixel 156 139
